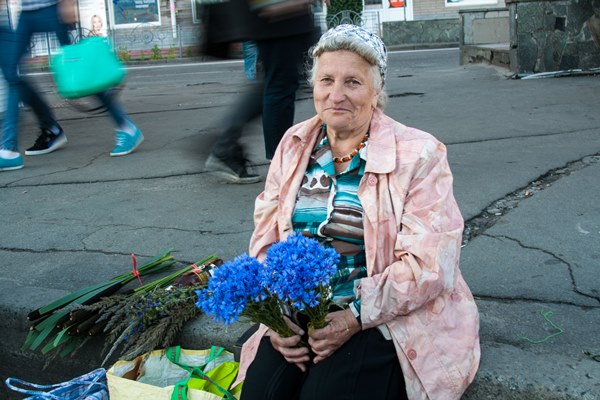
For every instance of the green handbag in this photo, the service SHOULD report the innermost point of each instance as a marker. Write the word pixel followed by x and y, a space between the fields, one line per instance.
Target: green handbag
pixel 86 68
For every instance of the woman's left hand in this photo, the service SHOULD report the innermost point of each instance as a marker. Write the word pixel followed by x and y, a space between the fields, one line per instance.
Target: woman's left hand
pixel 341 326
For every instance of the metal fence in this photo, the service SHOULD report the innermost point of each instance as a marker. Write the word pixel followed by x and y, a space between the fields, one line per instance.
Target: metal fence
pixel 369 19
pixel 143 41
pixel 147 41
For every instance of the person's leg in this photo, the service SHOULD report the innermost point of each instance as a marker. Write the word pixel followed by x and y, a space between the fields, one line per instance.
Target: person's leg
pixel 128 136
pixel 14 46
pixel 52 136
pixel 271 377
pixel 227 158
pixel 41 21
pixel 365 367
pixel 250 56
pixel 281 60
pixel 245 109
pixel 113 107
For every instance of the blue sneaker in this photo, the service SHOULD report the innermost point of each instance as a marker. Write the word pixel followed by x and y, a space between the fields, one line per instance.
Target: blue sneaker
pixel 7 164
pixel 126 142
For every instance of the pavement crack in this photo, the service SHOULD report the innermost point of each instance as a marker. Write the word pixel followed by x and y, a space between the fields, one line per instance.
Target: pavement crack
pixel 487 218
pixel 499 139
pixel 555 256
pixel 71 251
pixel 92 182
pixel 530 300
pixel 169 228
pixel 406 94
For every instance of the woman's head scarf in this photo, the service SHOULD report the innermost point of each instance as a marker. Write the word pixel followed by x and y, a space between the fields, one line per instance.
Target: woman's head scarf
pixel 355 34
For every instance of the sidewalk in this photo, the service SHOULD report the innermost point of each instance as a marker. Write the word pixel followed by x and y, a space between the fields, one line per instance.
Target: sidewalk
pixel 526 161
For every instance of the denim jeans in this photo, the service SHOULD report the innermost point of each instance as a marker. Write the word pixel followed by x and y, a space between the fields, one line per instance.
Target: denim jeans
pixel 250 57
pixel 12 47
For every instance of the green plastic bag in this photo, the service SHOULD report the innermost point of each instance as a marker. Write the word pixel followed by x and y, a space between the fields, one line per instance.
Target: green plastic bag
pixel 176 374
pixel 216 379
pixel 86 68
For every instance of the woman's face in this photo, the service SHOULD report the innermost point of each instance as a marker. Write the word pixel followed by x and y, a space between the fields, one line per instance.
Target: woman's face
pixel 344 95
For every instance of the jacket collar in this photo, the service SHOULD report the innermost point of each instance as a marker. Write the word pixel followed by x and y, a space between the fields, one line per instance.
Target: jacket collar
pixel 381 150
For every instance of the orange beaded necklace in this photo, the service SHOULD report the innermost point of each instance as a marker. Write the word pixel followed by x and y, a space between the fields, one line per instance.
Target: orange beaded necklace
pixel 354 152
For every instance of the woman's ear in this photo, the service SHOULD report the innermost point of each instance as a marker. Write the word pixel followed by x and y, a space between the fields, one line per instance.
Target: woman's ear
pixel 375 99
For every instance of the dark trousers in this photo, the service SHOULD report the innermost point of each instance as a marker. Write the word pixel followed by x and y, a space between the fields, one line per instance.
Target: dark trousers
pixel 365 367
pixel 247 107
pixel 282 60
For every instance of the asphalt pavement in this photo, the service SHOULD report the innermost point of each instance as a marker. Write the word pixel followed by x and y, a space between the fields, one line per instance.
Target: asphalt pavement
pixel 526 161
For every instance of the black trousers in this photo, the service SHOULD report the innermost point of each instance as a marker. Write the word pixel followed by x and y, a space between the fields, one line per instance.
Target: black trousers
pixel 282 60
pixel 365 367
pixel 247 107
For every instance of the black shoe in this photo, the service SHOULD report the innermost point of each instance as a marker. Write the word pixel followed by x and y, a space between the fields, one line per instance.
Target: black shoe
pixel 47 142
pixel 233 170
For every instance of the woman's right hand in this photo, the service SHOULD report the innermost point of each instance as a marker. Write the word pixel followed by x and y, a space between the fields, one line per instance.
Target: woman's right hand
pixel 288 346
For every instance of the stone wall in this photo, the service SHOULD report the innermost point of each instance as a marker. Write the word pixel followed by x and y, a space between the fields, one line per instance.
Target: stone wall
pixel 419 34
pixel 554 35
pixel 484 26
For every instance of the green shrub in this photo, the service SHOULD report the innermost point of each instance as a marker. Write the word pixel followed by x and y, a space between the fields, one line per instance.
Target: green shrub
pixel 171 53
pixel 124 54
pixel 188 51
pixel 156 53
pixel 340 5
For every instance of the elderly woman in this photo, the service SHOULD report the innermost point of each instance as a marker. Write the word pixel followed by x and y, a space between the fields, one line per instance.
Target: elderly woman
pixel 380 193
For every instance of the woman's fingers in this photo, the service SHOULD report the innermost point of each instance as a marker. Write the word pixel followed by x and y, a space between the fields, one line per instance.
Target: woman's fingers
pixel 289 349
pixel 340 328
pixel 295 328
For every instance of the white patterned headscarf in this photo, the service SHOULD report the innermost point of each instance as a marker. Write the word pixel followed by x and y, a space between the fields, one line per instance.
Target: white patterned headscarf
pixel 357 39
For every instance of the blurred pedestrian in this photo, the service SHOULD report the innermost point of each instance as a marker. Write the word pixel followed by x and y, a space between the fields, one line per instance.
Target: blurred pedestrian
pixel 282 36
pixel 228 156
pixel 47 16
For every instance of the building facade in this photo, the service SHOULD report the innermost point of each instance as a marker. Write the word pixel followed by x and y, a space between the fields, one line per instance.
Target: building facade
pixel 173 28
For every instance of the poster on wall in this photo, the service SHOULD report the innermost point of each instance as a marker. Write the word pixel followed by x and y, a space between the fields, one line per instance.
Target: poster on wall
pixel 133 12
pixel 92 17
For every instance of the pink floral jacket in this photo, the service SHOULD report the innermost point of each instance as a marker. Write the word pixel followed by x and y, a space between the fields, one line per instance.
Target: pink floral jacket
pixel 412 228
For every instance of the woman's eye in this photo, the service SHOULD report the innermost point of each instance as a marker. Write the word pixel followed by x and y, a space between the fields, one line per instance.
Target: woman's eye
pixel 353 82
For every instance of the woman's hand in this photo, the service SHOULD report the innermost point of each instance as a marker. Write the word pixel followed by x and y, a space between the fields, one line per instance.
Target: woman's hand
pixel 341 326
pixel 288 346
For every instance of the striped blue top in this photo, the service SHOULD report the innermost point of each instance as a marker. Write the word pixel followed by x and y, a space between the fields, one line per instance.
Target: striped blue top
pixel 329 210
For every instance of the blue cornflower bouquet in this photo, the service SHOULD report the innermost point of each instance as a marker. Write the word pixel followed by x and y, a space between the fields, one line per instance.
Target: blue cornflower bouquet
pixel 293 279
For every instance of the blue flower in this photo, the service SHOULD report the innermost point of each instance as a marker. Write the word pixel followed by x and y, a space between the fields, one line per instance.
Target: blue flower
pixel 229 290
pixel 297 269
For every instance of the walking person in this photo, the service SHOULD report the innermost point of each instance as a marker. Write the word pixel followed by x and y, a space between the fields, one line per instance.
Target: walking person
pixel 53 17
pixel 282 38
